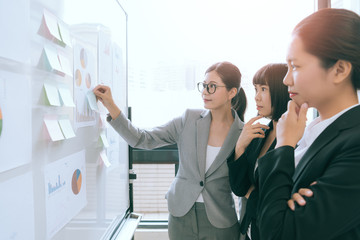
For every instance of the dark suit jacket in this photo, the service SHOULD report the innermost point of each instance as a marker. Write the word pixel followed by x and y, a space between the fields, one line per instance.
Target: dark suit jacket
pixel 333 160
pixel 241 176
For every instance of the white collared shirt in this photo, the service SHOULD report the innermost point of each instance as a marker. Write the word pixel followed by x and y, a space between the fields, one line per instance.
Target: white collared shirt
pixel 312 131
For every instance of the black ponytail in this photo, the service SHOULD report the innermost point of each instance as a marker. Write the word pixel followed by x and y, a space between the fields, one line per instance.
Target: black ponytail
pixel 239 103
pixel 231 76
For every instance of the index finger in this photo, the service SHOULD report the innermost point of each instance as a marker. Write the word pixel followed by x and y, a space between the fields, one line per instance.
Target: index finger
pixel 305 192
pixel 101 88
pixel 252 120
pixel 313 183
pixel 292 106
pixel 302 112
pixel 259 125
pixel 98 87
pixel 291 204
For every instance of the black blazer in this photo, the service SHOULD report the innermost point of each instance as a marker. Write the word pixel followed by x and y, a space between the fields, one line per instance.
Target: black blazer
pixel 241 176
pixel 333 160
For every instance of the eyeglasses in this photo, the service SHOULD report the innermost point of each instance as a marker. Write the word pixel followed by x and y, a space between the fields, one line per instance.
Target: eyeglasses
pixel 210 87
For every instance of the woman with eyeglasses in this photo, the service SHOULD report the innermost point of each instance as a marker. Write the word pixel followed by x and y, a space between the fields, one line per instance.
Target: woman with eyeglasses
pixel 199 199
pixel 271 97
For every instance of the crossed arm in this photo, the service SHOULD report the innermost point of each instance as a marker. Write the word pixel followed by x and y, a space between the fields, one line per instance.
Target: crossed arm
pixel 332 210
pixel 298 197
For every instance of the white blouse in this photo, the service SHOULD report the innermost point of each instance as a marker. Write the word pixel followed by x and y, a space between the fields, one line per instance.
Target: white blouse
pixel 211 153
pixel 312 131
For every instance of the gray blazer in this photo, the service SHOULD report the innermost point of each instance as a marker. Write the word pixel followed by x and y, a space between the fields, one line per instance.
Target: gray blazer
pixel 190 132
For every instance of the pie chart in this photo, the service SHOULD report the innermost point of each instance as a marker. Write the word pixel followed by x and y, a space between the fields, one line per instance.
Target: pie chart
pixel 76 181
pixel 83 58
pixel 78 77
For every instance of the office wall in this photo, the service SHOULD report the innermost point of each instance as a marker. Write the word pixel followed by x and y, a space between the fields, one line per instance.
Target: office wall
pixel 63 170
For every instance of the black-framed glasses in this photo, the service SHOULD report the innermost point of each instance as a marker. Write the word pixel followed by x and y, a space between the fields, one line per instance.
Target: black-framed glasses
pixel 210 87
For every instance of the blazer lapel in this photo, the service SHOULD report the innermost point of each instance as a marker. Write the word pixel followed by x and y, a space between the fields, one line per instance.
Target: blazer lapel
pixel 202 136
pixel 346 120
pixel 323 139
pixel 228 145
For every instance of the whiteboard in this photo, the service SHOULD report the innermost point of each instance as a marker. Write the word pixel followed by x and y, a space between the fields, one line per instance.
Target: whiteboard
pixel 63 169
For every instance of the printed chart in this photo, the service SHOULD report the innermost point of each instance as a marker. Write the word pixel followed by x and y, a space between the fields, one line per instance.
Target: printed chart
pixel 85 76
pixel 65 191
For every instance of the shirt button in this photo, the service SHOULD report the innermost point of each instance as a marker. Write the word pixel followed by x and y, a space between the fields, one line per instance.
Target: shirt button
pixel 201 183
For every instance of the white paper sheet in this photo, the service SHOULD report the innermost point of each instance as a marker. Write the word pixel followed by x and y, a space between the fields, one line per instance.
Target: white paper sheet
pixel 65 191
pixel 17 208
pixel 85 78
pixel 15 25
pixel 15 136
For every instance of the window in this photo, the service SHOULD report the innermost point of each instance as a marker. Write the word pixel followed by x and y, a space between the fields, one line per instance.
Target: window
pixel 171 44
pixel 353 5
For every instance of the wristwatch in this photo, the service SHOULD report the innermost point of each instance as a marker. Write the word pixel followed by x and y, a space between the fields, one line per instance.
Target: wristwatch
pixel 108 118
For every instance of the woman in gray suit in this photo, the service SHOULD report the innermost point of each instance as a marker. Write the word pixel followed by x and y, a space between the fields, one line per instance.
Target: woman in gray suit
pixel 199 199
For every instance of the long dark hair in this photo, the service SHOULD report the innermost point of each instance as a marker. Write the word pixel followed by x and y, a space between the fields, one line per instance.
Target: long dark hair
pixel 231 76
pixel 331 35
pixel 273 75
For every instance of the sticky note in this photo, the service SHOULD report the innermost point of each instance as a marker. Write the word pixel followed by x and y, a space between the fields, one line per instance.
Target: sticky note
pixel 66 98
pixel 105 159
pixel 50 60
pixel 50 24
pixel 64 33
pixel 104 140
pixel 52 94
pixel 54 130
pixel 65 65
pixel 66 128
pixel 92 101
